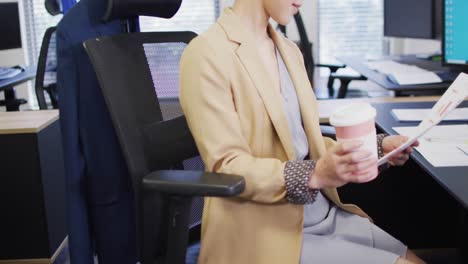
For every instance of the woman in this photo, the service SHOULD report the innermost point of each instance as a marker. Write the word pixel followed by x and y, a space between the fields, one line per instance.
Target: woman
pixel 252 112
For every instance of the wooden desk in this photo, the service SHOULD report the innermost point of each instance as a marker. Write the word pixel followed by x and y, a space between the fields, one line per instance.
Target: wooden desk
pixel 327 107
pixel 32 187
pixel 29 122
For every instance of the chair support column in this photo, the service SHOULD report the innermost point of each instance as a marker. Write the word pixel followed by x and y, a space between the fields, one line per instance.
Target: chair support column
pixel 177 236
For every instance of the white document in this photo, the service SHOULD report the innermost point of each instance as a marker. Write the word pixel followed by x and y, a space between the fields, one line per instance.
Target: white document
pixel 442 146
pixel 404 74
pixel 452 98
pixel 415 134
pixel 405 78
pixel 392 67
pixel 412 115
pixel 463 148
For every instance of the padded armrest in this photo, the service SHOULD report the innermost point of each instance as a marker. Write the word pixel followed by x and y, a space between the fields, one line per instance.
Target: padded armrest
pixel 348 77
pixel 194 183
pixel 332 67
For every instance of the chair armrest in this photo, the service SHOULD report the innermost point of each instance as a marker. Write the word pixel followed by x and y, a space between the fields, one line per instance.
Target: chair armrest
pixel 181 186
pixel 328 131
pixel 347 77
pixel 332 67
pixel 194 183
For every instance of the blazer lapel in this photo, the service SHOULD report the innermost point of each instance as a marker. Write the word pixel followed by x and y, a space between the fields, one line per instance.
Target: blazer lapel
pixel 247 54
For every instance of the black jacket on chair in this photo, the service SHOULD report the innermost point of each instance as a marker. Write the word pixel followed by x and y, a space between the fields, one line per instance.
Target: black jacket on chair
pixel 100 200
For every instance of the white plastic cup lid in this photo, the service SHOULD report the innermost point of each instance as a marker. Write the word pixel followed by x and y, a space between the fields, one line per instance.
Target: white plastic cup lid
pixel 352 114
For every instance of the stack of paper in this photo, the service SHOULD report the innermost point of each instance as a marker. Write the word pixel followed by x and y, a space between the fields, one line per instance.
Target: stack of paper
pixel 463 148
pixel 442 146
pixel 404 74
pixel 451 99
pixel 391 67
pixel 414 78
pixel 412 115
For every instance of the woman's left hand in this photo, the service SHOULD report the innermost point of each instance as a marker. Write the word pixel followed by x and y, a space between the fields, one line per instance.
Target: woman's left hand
pixel 392 142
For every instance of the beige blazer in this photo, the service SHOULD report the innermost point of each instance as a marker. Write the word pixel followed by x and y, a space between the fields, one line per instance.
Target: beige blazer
pixel 238 122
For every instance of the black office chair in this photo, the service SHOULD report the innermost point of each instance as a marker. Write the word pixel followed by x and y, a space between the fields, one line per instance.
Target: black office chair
pixel 137 73
pixel 306 48
pixel 10 102
pixel 53 7
pixel 46 76
pixel 131 68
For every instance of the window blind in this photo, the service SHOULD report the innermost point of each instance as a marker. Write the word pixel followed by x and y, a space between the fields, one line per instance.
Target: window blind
pixel 37 20
pixel 350 28
pixel 193 15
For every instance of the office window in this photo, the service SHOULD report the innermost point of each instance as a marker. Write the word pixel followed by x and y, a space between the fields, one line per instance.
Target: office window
pixel 37 20
pixel 350 28
pixel 194 15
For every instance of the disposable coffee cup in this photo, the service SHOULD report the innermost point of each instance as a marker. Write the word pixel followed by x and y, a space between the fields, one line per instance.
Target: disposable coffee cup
pixel 356 122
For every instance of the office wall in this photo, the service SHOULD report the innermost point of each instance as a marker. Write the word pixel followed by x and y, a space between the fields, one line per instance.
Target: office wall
pixel 14 57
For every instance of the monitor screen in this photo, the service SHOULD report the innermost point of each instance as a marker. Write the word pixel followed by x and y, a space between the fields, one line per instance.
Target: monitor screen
pixel 9 26
pixel 410 19
pixel 455 32
pixel 438 19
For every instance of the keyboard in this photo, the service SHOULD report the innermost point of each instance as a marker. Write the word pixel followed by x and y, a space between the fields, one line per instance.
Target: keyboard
pixel 9 72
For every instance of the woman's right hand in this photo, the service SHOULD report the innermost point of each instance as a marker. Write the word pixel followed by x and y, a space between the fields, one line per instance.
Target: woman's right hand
pixel 342 164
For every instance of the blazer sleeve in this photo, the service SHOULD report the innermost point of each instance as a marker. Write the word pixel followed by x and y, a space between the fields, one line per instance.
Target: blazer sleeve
pixel 206 99
pixel 68 87
pixel 329 143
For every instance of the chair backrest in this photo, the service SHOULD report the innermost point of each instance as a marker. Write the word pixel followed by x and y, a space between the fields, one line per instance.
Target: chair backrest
pixel 53 7
pixel 138 75
pixel 46 75
pixel 124 9
pixel 163 62
pixel 306 47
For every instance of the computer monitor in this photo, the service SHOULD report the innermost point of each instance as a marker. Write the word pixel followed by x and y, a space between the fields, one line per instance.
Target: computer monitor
pixel 455 42
pixel 10 32
pixel 413 18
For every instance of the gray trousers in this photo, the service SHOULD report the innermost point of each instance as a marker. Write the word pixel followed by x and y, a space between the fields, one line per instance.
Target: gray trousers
pixel 333 236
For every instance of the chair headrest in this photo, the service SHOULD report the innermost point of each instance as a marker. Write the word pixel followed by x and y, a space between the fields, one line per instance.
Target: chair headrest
pixel 53 7
pixel 124 9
